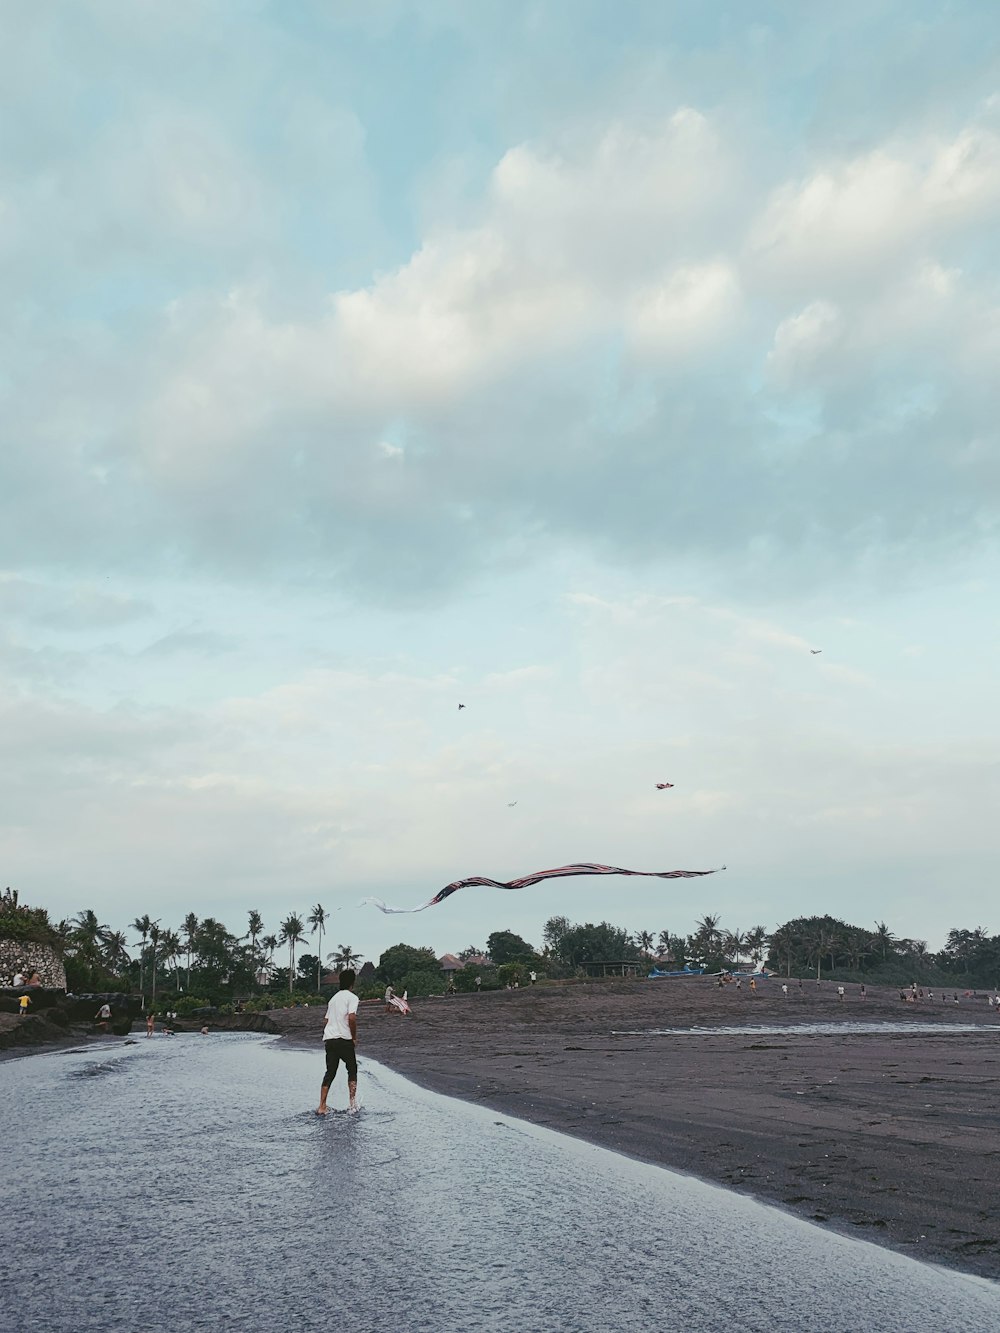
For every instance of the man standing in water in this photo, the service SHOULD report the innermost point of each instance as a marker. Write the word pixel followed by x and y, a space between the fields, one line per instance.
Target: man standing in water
pixel 340 1038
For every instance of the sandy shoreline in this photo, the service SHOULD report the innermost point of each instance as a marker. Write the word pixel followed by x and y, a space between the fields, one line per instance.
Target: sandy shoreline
pixel 895 1138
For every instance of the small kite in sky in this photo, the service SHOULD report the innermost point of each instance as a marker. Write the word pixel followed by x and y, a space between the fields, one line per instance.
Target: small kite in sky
pixel 460 707
pixel 578 868
pixel 662 786
pixel 510 803
pixel 815 651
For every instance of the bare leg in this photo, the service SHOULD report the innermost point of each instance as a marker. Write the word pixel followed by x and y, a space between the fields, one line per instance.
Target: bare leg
pixel 352 1089
pixel 321 1109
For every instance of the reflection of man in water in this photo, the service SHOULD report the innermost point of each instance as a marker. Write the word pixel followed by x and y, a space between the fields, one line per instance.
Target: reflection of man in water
pixel 340 1039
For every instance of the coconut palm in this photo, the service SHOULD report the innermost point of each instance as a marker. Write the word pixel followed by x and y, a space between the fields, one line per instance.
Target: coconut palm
pixel 154 940
pixel 885 940
pixel 755 941
pixel 114 953
pixel 190 932
pixel 87 932
pixel 734 942
pixel 292 933
pixel 345 957
pixel 318 919
pixel 142 925
pixel 644 940
pixel 170 950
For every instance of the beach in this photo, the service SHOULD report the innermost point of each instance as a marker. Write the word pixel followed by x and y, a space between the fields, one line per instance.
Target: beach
pixel 892 1136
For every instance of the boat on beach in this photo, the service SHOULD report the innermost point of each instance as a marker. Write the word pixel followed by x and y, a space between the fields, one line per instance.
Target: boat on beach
pixel 680 972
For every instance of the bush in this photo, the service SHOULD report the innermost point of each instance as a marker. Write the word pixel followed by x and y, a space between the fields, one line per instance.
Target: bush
pixel 422 983
pixel 30 925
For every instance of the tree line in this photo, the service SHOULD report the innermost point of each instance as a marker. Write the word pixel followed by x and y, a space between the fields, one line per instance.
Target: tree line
pixel 203 956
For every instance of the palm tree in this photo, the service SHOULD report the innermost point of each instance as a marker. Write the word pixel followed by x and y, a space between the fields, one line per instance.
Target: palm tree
pixel 345 957
pixel 154 940
pixel 755 941
pixel 734 942
pixel 87 935
pixel 170 950
pixel 190 932
pixel 318 919
pixel 115 951
pixel 292 933
pixel 644 940
pixel 885 940
pixel 142 925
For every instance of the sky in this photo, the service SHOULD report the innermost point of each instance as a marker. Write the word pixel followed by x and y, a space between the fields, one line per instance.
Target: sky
pixel 588 365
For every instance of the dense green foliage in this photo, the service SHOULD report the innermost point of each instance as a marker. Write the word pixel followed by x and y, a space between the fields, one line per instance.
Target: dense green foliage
pixel 503 946
pixel 203 958
pixel 28 924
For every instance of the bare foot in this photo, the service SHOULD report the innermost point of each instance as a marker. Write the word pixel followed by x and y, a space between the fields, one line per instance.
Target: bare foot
pixel 321 1110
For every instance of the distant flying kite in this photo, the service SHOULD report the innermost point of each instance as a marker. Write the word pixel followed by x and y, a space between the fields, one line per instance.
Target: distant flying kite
pixel 460 707
pixel 662 786
pixel 815 651
pixel 510 803
pixel 578 868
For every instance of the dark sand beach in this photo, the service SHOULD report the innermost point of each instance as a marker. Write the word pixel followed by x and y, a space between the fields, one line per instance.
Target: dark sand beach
pixel 893 1137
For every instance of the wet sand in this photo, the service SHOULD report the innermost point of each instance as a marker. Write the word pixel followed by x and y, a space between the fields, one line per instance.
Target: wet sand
pixel 895 1138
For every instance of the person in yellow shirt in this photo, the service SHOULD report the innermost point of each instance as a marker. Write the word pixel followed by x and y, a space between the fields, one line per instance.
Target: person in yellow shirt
pixel 24 1002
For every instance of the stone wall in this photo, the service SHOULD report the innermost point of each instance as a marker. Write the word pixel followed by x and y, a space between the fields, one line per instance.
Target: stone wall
pixel 22 956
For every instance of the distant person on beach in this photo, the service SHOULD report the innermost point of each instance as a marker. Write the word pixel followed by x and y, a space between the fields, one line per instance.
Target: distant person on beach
pixel 864 993
pixel 150 1024
pixel 19 979
pixel 340 1040
pixel 103 1015
pixel 784 988
pixel 389 994
pixel 840 993
pixel 479 983
pixel 33 978
pixel 23 1006
pixel 753 985
pixel 533 977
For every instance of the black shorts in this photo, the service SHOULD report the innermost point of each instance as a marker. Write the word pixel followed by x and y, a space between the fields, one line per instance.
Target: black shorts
pixel 337 1049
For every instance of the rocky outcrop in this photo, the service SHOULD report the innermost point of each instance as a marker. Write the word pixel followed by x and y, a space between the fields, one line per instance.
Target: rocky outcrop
pixel 56 1016
pixel 228 1023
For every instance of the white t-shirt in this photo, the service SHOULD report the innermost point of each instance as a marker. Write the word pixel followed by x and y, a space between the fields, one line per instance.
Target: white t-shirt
pixel 19 980
pixel 343 1003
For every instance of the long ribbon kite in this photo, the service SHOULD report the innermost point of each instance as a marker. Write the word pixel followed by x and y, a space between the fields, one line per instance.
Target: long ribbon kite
pixel 579 868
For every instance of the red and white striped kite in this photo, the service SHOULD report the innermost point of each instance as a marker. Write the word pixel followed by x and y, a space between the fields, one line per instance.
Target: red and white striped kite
pixel 562 872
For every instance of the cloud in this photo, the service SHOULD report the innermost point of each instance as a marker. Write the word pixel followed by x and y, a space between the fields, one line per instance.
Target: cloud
pixel 646 336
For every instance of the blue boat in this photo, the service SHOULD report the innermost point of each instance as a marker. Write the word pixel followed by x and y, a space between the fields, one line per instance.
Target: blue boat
pixel 684 972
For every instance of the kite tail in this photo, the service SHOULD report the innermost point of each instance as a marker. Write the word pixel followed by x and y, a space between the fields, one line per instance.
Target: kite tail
pixel 562 872
pixel 391 911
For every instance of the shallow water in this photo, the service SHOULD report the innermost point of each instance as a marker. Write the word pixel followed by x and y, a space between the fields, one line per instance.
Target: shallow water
pixel 183 1183
pixel 815 1030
